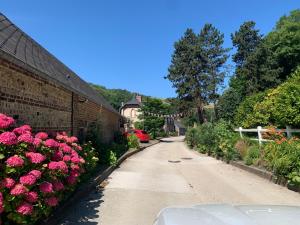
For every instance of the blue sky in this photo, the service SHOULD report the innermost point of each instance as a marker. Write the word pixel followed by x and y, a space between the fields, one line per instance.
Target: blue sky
pixel 128 43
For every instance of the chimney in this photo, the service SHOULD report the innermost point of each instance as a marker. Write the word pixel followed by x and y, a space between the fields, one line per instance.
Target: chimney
pixel 138 98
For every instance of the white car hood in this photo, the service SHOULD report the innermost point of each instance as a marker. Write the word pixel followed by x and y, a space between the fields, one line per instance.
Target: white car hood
pixel 230 215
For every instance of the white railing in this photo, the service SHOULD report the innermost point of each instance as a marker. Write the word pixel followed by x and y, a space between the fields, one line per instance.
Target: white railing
pixel 259 130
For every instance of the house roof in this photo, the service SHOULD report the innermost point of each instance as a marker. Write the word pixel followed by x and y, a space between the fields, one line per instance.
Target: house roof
pixel 133 101
pixel 20 49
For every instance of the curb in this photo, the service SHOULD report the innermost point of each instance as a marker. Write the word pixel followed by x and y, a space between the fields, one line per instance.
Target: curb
pixel 264 174
pixel 85 188
pixel 259 172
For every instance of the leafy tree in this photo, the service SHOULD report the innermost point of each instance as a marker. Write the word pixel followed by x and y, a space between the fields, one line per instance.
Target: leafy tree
pixel 284 42
pixel 195 67
pixel 114 96
pixel 211 42
pixel 153 124
pixel 245 40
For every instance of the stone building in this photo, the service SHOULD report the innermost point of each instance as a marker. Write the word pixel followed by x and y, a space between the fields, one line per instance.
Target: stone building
pixel 130 110
pixel 36 88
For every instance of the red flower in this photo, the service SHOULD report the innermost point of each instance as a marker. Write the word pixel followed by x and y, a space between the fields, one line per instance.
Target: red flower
pixel 65 148
pixel 36 173
pixel 19 189
pixel 46 187
pixel 28 179
pixel 50 143
pixel 26 138
pixel 37 142
pixel 51 201
pixel 8 183
pixel 61 166
pixel 6 121
pixel 58 186
pixel 41 135
pixel 15 161
pixel 67 158
pixel 35 158
pixel 25 208
pixel 22 130
pixel 8 138
pixel 58 155
pixel 31 197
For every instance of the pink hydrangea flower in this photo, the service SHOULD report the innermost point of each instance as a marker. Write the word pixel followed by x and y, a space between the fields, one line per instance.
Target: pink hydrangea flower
pixel 71 180
pixel 41 135
pixel 8 138
pixel 1 203
pixel 58 186
pixel 8 183
pixel 37 142
pixel 25 208
pixel 19 189
pixel 6 121
pixel 51 201
pixel 31 197
pixel 22 130
pixel 73 139
pixel 75 160
pixel 67 158
pixel 35 158
pixel 36 173
pixel 61 166
pixel 28 179
pixel 74 173
pixel 74 154
pixel 82 160
pixel 79 148
pixel 60 137
pixel 65 148
pixel 50 143
pixel 75 167
pixel 57 156
pixel 46 187
pixel 15 161
pixel 26 137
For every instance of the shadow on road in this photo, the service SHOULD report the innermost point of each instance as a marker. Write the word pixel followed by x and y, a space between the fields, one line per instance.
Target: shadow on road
pixel 85 211
pixel 166 141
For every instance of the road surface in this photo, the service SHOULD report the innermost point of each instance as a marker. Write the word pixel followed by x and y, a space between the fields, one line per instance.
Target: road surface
pixel 169 174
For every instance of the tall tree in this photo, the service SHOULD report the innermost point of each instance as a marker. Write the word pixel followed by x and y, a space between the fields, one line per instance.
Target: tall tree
pixel 245 40
pixel 211 42
pixel 195 67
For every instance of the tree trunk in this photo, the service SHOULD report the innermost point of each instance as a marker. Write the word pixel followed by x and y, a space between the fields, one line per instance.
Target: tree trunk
pixel 200 112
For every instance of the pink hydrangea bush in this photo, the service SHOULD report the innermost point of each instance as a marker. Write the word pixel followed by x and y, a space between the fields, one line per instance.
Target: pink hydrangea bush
pixel 37 170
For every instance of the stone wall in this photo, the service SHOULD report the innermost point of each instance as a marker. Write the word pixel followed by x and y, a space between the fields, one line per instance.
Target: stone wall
pixel 48 106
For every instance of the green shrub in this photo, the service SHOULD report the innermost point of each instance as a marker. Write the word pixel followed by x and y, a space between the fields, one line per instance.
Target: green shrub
pixel 244 116
pixel 112 158
pixel 133 141
pixel 252 155
pixel 190 137
pixel 279 106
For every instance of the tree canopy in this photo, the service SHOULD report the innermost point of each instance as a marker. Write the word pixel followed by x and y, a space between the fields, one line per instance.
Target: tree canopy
pixel 196 67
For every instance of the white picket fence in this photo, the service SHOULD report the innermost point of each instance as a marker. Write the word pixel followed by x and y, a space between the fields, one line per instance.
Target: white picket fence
pixel 259 130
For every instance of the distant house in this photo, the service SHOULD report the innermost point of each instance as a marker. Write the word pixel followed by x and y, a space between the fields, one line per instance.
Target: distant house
pixel 130 110
pixel 172 125
pixel 38 89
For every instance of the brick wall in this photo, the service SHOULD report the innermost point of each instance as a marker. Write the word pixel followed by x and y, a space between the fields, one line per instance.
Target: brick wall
pixel 48 106
pixel 89 112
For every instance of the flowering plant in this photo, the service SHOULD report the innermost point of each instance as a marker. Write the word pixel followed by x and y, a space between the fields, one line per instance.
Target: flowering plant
pixel 36 171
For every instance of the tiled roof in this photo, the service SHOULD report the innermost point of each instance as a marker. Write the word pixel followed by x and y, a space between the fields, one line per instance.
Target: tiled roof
pixel 133 101
pixel 17 47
